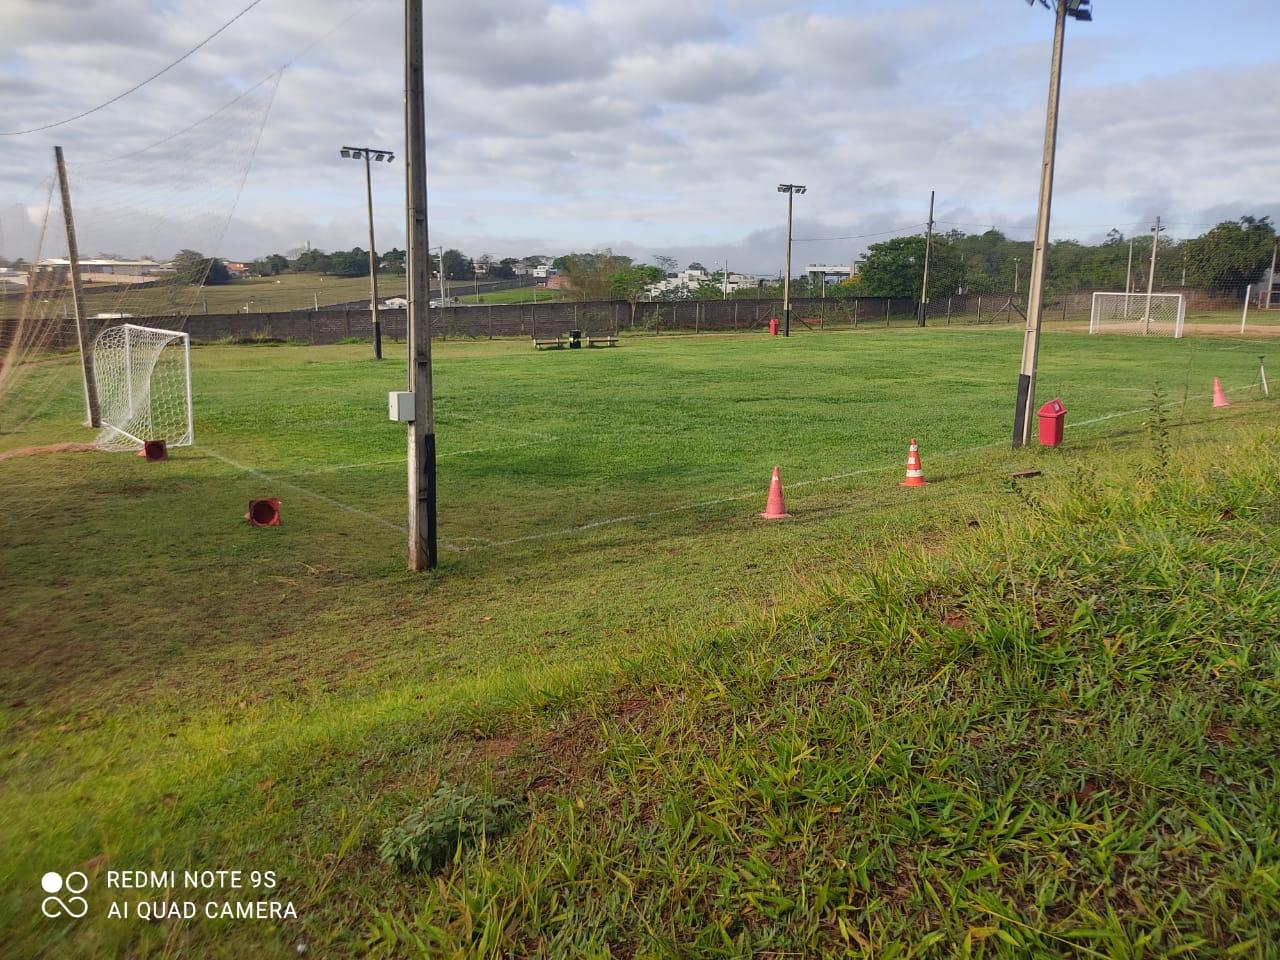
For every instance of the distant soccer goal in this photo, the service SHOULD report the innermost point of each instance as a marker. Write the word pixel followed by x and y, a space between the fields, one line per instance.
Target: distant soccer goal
pixel 143 376
pixel 1159 314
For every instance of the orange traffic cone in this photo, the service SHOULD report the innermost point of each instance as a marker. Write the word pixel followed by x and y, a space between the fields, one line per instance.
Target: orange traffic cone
pixel 1219 398
pixel 264 513
pixel 915 474
pixel 775 509
pixel 153 450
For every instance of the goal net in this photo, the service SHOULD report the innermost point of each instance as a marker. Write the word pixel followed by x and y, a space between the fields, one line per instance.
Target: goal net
pixel 1161 314
pixel 143 378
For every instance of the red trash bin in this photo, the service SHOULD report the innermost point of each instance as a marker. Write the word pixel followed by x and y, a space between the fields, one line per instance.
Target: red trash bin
pixel 1052 416
pixel 773 326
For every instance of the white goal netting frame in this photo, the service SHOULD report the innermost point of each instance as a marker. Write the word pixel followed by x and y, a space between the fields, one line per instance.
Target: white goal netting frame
pixel 143 380
pixel 1161 314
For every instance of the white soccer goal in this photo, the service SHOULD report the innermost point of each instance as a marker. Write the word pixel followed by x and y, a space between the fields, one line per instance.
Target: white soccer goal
pixel 143 376
pixel 1161 314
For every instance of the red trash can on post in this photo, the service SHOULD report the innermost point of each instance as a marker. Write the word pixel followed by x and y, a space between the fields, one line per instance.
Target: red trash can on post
pixel 773 326
pixel 1052 416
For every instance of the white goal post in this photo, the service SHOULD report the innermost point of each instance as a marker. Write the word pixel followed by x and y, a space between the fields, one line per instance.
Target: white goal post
pixel 143 376
pixel 1161 314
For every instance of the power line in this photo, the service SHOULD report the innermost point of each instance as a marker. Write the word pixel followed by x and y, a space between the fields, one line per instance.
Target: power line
pixel 861 236
pixel 138 86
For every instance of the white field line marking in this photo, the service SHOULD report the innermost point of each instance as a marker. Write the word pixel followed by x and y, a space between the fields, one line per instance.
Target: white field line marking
pixel 611 521
pixel 318 496
pixel 449 415
pixel 401 460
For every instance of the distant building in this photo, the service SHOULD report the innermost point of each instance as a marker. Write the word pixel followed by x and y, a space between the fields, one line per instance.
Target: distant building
pixel 821 275
pixel 237 268
pixel 108 271
pixel 687 281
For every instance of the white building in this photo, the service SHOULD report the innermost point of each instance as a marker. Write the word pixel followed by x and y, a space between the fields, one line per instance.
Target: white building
pixel 686 282
pixel 108 271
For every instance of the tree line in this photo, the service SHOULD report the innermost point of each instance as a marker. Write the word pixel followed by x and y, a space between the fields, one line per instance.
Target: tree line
pixel 1228 258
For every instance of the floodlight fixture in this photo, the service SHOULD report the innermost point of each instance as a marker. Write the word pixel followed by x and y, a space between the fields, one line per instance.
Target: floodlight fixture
pixel 1076 9
pixel 346 152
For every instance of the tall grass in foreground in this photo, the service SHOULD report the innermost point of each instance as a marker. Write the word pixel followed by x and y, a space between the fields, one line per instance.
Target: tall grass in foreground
pixel 1054 735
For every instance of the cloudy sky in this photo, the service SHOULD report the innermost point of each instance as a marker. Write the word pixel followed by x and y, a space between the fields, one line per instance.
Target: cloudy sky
pixel 648 126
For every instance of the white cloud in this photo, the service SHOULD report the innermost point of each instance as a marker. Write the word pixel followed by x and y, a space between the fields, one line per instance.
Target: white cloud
pixel 653 127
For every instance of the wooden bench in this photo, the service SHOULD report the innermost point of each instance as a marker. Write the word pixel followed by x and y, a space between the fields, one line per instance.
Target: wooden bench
pixel 553 344
pixel 605 341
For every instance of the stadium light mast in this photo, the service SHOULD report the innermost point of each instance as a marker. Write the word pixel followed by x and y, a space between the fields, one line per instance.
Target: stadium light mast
pixel 366 154
pixel 790 189
pixel 1022 417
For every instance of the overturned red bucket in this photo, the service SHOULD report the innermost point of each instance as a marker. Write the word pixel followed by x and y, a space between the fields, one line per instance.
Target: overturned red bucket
pixel 264 513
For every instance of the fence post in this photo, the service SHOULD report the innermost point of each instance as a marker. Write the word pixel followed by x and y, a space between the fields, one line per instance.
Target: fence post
pixel 948 311
pixel 886 311
pixel 979 320
pixel 855 313
pixel 1244 318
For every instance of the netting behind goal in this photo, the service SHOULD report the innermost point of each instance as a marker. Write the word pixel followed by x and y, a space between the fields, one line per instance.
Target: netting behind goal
pixel 1160 314
pixel 143 377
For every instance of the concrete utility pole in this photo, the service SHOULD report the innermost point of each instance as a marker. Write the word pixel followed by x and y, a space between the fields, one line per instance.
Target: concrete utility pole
pixel 1016 262
pixel 73 255
pixel 357 153
pixel 422 429
pixel 1151 277
pixel 790 189
pixel 921 319
pixel 1026 394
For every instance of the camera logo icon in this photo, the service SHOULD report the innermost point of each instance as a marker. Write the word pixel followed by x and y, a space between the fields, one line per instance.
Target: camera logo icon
pixel 73 884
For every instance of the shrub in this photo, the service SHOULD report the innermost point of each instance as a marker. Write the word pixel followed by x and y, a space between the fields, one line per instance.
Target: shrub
pixel 452 819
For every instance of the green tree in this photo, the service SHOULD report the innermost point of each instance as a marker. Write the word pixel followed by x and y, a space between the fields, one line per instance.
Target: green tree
pixel 591 274
pixel 895 268
pixel 457 265
pixel 1231 255
pixel 349 263
pixel 191 266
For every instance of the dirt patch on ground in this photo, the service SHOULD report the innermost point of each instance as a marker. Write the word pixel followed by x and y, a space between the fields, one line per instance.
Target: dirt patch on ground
pixel 47 448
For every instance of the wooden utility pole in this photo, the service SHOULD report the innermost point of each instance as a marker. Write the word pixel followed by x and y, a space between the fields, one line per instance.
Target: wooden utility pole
pixel 373 264
pixel 928 248
pixel 422 429
pixel 73 255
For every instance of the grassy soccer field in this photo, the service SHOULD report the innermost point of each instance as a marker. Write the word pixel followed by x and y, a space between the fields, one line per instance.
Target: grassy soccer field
pixel 184 691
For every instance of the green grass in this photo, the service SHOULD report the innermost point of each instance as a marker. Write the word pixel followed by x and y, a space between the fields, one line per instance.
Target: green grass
pixel 518 295
pixel 185 691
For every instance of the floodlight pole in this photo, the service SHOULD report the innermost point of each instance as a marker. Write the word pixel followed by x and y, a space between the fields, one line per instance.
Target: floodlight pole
pixel 921 320
pixel 73 266
pixel 790 189
pixel 1022 416
pixel 364 153
pixel 373 264
pixel 422 429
